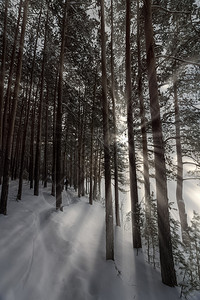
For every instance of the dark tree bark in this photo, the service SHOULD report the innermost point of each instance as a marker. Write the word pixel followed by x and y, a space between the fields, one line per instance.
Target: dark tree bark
pixel 46 143
pixel 31 163
pixel 143 122
pixel 165 245
pixel 59 115
pixel 83 158
pixel 75 167
pixel 179 176
pixel 19 193
pixel 39 127
pixel 80 145
pixel 117 217
pixel 53 187
pixel 106 139
pixel 92 143
pixel 95 174
pixel 2 77
pixel 131 143
pixel 18 137
pixel 5 185
pixel 8 91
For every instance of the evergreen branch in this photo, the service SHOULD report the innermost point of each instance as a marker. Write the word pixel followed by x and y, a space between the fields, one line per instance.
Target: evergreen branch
pixel 179 59
pixel 170 11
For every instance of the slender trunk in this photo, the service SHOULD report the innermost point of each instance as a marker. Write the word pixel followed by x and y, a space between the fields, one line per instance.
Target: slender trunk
pixel 83 156
pixel 53 187
pixel 165 245
pixel 143 123
pixel 91 143
pixel 17 140
pixel 4 192
pixel 71 163
pixel 95 174
pixel 8 92
pixel 179 176
pixel 2 76
pixel 46 143
pixel 117 217
pixel 31 164
pixel 75 171
pixel 59 116
pixel 99 174
pixel 131 143
pixel 79 148
pixel 39 127
pixel 23 152
pixel 106 139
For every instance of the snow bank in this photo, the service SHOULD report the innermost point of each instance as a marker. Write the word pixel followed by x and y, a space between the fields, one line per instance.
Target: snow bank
pixel 61 255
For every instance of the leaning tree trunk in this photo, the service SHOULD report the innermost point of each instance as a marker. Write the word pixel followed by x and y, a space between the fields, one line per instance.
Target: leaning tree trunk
pixel 59 115
pixel 179 176
pixel 116 176
pixel 131 143
pixel 165 245
pixel 106 139
pixel 5 185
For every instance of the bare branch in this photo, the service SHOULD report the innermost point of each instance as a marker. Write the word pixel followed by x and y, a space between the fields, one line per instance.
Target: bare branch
pixel 192 178
pixel 191 163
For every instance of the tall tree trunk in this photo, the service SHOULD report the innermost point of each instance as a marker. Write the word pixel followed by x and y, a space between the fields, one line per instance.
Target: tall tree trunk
pixel 53 187
pixel 179 176
pixel 117 217
pixel 17 139
pixel 59 115
pixel 8 92
pixel 83 171
pixel 46 142
pixel 165 245
pixel 143 123
pixel 39 127
pixel 80 145
pixel 92 143
pixel 95 174
pixel 23 152
pixel 2 76
pixel 106 139
pixel 31 163
pixel 4 192
pixel 131 143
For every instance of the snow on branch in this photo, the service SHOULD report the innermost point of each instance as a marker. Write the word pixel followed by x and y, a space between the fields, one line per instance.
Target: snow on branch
pixel 179 59
pixel 170 11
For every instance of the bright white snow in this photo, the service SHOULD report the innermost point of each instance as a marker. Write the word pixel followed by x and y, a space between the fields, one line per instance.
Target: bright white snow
pixel 49 255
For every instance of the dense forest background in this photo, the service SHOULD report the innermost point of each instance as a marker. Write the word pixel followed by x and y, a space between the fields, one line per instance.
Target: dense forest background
pixel 100 94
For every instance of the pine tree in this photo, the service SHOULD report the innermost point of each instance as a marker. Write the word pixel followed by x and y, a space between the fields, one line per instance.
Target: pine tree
pixel 165 246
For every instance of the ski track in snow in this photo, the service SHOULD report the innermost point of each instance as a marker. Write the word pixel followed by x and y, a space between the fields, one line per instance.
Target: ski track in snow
pixel 49 255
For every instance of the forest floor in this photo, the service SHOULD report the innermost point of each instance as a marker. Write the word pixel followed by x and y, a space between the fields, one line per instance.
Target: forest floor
pixel 49 255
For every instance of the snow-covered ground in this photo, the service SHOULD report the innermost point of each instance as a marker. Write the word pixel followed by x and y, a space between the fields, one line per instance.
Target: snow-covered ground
pixel 52 255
